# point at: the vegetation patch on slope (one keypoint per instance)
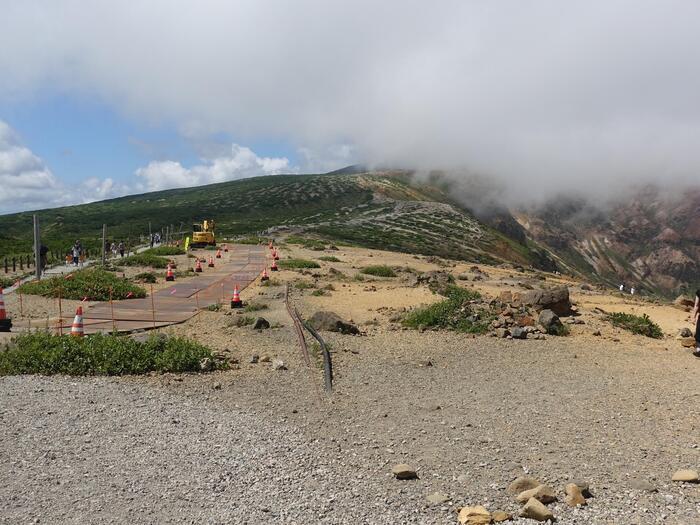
(92, 283)
(459, 311)
(637, 324)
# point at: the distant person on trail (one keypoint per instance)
(696, 322)
(152, 240)
(75, 251)
(121, 248)
(43, 257)
(622, 287)
(632, 291)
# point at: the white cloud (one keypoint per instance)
(546, 94)
(28, 184)
(240, 163)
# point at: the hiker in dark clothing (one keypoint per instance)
(696, 322)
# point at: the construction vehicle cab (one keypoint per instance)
(203, 234)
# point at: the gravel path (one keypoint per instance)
(254, 445)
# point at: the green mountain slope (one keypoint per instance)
(380, 210)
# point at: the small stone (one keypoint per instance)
(542, 493)
(462, 478)
(518, 333)
(686, 476)
(265, 359)
(522, 483)
(688, 342)
(596, 333)
(404, 471)
(498, 516)
(642, 485)
(261, 324)
(535, 510)
(217, 386)
(502, 333)
(474, 516)
(574, 497)
(437, 498)
(584, 487)
(278, 364)
(206, 365)
(685, 332)
(254, 358)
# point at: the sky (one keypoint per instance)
(105, 98)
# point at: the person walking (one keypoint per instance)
(121, 248)
(75, 251)
(622, 287)
(696, 322)
(632, 290)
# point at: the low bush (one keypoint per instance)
(93, 283)
(254, 307)
(47, 354)
(304, 285)
(454, 313)
(271, 282)
(329, 258)
(559, 329)
(165, 250)
(143, 259)
(292, 264)
(321, 292)
(6, 282)
(243, 320)
(641, 325)
(380, 270)
(146, 277)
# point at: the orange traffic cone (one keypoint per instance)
(236, 300)
(218, 253)
(270, 245)
(273, 268)
(265, 277)
(211, 262)
(225, 248)
(5, 322)
(76, 328)
(198, 266)
(275, 255)
(169, 275)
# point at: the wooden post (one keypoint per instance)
(14, 265)
(60, 313)
(37, 248)
(111, 307)
(153, 308)
(104, 240)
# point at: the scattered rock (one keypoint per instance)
(206, 365)
(550, 321)
(332, 322)
(518, 333)
(584, 487)
(642, 485)
(404, 471)
(574, 496)
(596, 333)
(686, 476)
(535, 510)
(502, 333)
(265, 359)
(683, 301)
(688, 342)
(216, 386)
(541, 493)
(254, 358)
(278, 364)
(437, 498)
(521, 484)
(685, 332)
(498, 516)
(474, 516)
(261, 324)
(585, 287)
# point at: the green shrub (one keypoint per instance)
(558, 329)
(304, 285)
(453, 313)
(641, 325)
(6, 282)
(146, 277)
(290, 264)
(329, 258)
(243, 320)
(380, 270)
(321, 292)
(165, 250)
(271, 282)
(93, 283)
(48, 354)
(143, 259)
(213, 307)
(254, 307)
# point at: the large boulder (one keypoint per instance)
(554, 299)
(332, 322)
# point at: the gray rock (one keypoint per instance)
(518, 333)
(404, 471)
(261, 324)
(332, 322)
(521, 484)
(549, 321)
(278, 364)
(254, 358)
(685, 332)
(502, 333)
(555, 299)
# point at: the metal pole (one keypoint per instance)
(104, 239)
(37, 248)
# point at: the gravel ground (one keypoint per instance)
(254, 445)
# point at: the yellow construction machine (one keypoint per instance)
(203, 234)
